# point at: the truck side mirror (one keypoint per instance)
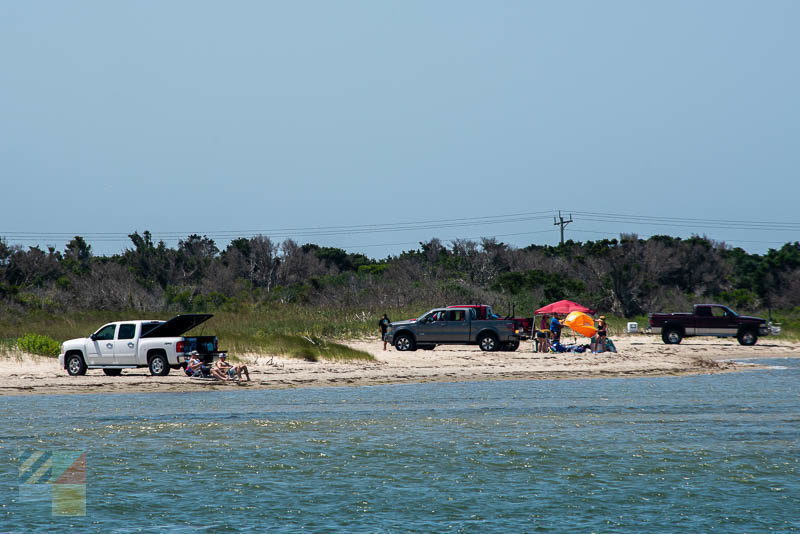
(93, 337)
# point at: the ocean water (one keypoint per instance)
(676, 454)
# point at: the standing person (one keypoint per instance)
(383, 324)
(541, 339)
(542, 334)
(555, 329)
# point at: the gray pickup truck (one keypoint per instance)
(453, 326)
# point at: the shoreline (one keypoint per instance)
(638, 356)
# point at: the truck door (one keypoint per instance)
(701, 323)
(456, 327)
(125, 344)
(723, 322)
(100, 349)
(431, 328)
(711, 323)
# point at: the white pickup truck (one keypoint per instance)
(158, 345)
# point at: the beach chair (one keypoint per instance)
(204, 371)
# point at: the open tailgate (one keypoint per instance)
(178, 325)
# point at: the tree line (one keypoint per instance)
(628, 276)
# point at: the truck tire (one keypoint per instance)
(405, 342)
(159, 366)
(488, 342)
(671, 336)
(112, 372)
(747, 337)
(75, 365)
(510, 346)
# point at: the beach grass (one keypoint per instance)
(8, 346)
(789, 321)
(310, 333)
(307, 348)
(229, 323)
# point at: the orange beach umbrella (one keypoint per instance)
(581, 323)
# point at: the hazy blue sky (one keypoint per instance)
(235, 118)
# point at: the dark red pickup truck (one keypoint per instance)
(708, 320)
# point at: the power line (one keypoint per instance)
(451, 239)
(312, 230)
(686, 222)
(678, 222)
(661, 218)
(630, 222)
(646, 236)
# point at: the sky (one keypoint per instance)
(372, 126)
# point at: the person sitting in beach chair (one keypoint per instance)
(195, 368)
(599, 340)
(225, 371)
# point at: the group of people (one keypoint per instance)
(549, 334)
(221, 369)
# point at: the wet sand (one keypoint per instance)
(638, 355)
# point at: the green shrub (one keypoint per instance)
(39, 344)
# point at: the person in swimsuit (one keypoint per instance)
(602, 334)
(225, 371)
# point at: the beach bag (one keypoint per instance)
(610, 346)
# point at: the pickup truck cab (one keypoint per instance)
(708, 320)
(157, 345)
(453, 326)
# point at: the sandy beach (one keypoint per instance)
(638, 355)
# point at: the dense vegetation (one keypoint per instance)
(261, 288)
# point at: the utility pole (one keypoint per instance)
(562, 222)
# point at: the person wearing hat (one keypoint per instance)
(194, 366)
(225, 371)
(602, 334)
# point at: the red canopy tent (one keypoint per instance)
(563, 306)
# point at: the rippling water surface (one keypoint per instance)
(691, 454)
